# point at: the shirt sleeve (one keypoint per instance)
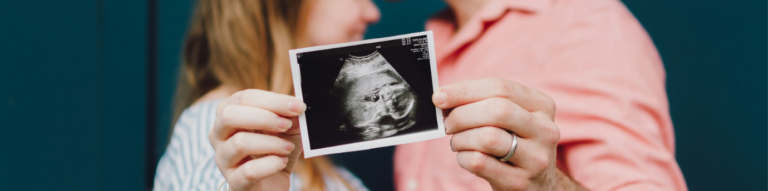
(332, 184)
(188, 162)
(353, 181)
(612, 110)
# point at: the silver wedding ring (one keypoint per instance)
(511, 150)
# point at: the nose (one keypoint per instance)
(371, 13)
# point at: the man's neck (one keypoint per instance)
(463, 10)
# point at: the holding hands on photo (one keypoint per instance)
(481, 114)
(257, 139)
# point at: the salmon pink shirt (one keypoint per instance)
(594, 59)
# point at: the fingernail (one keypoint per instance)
(284, 123)
(451, 144)
(439, 98)
(288, 146)
(296, 107)
(285, 160)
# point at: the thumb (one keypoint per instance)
(294, 136)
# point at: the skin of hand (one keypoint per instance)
(481, 113)
(257, 139)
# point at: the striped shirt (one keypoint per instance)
(188, 162)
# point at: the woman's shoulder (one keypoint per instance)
(205, 106)
(200, 110)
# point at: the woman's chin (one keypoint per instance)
(358, 37)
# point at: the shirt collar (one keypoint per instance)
(476, 25)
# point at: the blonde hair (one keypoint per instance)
(244, 44)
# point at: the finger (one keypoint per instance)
(496, 112)
(490, 169)
(256, 169)
(281, 104)
(244, 144)
(498, 143)
(488, 140)
(531, 156)
(297, 150)
(237, 117)
(470, 91)
(295, 129)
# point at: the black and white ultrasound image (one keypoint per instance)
(367, 92)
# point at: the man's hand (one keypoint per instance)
(482, 113)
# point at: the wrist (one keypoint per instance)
(565, 183)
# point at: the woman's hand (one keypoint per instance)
(256, 139)
(481, 115)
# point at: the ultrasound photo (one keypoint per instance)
(375, 100)
(367, 94)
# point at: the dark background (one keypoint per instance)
(319, 70)
(86, 89)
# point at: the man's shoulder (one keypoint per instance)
(593, 11)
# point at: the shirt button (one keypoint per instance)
(412, 184)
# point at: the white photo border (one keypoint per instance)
(370, 144)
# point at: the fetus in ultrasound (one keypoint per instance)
(374, 100)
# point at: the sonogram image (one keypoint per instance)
(368, 93)
(374, 99)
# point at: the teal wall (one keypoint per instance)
(86, 89)
(73, 95)
(714, 53)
